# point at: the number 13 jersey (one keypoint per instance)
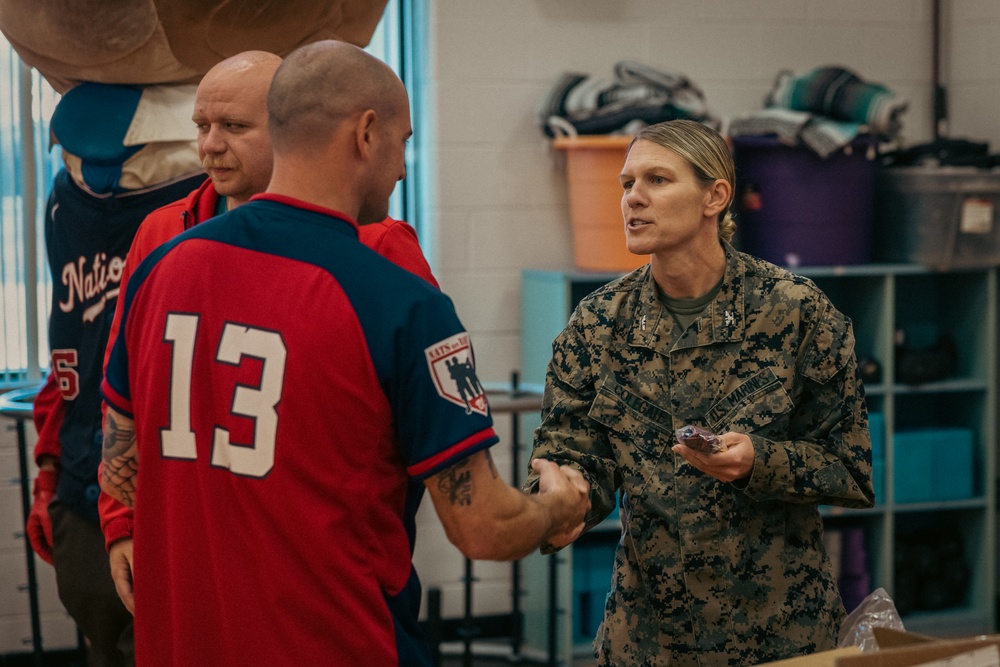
(291, 391)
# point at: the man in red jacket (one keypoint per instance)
(231, 116)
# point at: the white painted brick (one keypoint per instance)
(575, 11)
(869, 12)
(705, 50)
(803, 48)
(452, 234)
(893, 52)
(497, 354)
(588, 47)
(974, 54)
(759, 11)
(473, 52)
(535, 238)
(486, 301)
(974, 11)
(489, 176)
(727, 99)
(966, 119)
(491, 114)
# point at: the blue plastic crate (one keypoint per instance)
(933, 465)
(878, 480)
(593, 562)
(953, 468)
(876, 426)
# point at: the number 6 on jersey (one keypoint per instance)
(258, 403)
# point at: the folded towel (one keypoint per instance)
(637, 95)
(784, 123)
(839, 94)
(825, 110)
(825, 137)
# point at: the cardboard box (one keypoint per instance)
(821, 659)
(902, 649)
(890, 638)
(896, 649)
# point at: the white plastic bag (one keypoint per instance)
(875, 611)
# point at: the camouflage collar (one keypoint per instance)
(727, 310)
(722, 321)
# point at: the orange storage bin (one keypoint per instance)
(593, 163)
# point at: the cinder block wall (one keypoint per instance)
(972, 72)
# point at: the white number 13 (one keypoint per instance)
(257, 403)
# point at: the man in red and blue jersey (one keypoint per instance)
(230, 114)
(290, 406)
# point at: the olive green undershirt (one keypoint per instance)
(686, 311)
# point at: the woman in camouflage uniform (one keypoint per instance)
(721, 560)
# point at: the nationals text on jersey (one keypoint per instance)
(84, 284)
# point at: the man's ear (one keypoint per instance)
(364, 132)
(717, 196)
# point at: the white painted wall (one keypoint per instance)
(499, 201)
(972, 69)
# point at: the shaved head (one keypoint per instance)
(324, 83)
(230, 112)
(246, 64)
(339, 120)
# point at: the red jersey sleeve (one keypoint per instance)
(147, 238)
(130, 261)
(397, 241)
(47, 414)
(116, 518)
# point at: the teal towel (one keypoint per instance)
(824, 110)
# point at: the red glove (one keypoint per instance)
(39, 523)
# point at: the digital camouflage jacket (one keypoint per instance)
(711, 573)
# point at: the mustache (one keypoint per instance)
(214, 163)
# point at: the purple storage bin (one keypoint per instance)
(795, 208)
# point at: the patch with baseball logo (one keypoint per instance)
(453, 369)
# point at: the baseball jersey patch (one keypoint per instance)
(453, 368)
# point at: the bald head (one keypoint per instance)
(230, 112)
(247, 65)
(339, 121)
(323, 83)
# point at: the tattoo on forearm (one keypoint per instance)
(456, 483)
(118, 436)
(120, 459)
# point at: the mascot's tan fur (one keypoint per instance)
(169, 41)
(165, 46)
